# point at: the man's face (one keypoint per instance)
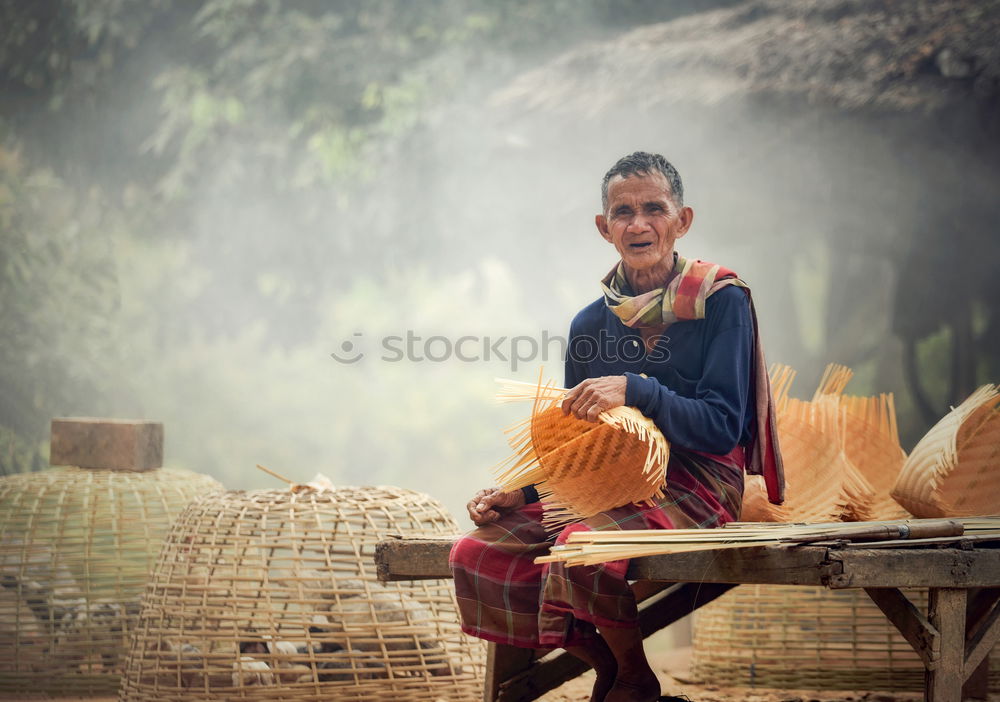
(642, 220)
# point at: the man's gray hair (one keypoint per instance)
(643, 163)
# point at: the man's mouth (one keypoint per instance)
(640, 245)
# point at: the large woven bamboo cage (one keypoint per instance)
(581, 468)
(76, 548)
(952, 471)
(791, 637)
(273, 594)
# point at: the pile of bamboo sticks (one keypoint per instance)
(590, 547)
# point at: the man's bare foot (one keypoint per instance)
(605, 681)
(638, 689)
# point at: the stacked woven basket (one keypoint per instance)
(77, 545)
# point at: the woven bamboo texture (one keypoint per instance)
(273, 595)
(783, 636)
(582, 468)
(841, 455)
(871, 440)
(76, 548)
(952, 471)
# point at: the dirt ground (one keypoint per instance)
(672, 666)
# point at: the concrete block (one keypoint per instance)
(116, 444)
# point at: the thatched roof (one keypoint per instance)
(882, 54)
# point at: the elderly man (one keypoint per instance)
(677, 339)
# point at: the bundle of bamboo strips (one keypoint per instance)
(581, 468)
(590, 547)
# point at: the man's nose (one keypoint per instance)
(638, 223)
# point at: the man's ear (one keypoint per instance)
(602, 226)
(686, 216)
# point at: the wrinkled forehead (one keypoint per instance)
(638, 188)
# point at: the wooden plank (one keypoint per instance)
(910, 622)
(659, 610)
(959, 541)
(977, 685)
(406, 559)
(934, 568)
(982, 639)
(946, 612)
(979, 603)
(502, 663)
(775, 565)
(411, 559)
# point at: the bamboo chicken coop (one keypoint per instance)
(791, 637)
(801, 637)
(272, 594)
(77, 544)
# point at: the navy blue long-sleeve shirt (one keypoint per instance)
(697, 389)
(698, 386)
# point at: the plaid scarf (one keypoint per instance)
(683, 298)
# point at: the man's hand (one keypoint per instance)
(595, 395)
(486, 505)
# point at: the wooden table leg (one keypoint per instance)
(978, 606)
(946, 613)
(502, 663)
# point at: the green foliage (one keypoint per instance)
(146, 149)
(58, 287)
(199, 201)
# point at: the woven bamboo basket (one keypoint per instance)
(791, 637)
(76, 548)
(582, 468)
(273, 595)
(952, 471)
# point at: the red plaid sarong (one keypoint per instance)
(504, 597)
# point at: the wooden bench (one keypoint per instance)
(953, 638)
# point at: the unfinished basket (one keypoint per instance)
(871, 440)
(272, 594)
(76, 548)
(791, 637)
(824, 444)
(952, 471)
(582, 468)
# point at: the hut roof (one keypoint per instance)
(913, 55)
